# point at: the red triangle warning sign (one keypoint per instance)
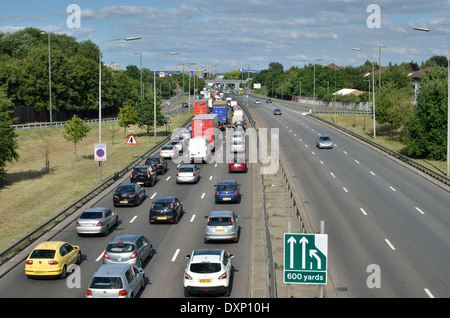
(131, 140)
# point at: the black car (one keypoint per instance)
(166, 210)
(145, 175)
(158, 162)
(129, 194)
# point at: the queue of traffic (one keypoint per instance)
(208, 271)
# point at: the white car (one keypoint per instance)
(169, 151)
(237, 146)
(208, 271)
(237, 136)
(257, 101)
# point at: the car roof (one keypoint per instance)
(187, 166)
(227, 182)
(111, 269)
(220, 214)
(96, 209)
(203, 255)
(49, 245)
(125, 238)
(164, 199)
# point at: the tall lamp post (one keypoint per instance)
(448, 92)
(49, 79)
(154, 91)
(100, 92)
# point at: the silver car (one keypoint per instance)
(116, 281)
(188, 174)
(222, 225)
(324, 141)
(96, 221)
(128, 249)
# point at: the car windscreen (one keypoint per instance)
(106, 283)
(120, 247)
(91, 215)
(219, 221)
(226, 187)
(43, 254)
(205, 268)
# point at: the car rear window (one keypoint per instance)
(238, 160)
(126, 188)
(185, 169)
(162, 205)
(219, 221)
(120, 247)
(205, 268)
(226, 187)
(152, 160)
(43, 254)
(106, 283)
(140, 170)
(91, 215)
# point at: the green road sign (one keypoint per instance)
(305, 258)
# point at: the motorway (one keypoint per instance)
(171, 242)
(388, 227)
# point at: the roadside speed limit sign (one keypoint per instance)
(100, 152)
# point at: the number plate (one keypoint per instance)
(161, 218)
(220, 230)
(124, 201)
(225, 199)
(205, 280)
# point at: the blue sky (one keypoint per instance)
(252, 33)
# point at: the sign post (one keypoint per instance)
(305, 258)
(100, 152)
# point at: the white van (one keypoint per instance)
(199, 150)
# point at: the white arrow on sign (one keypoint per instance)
(291, 241)
(314, 253)
(303, 241)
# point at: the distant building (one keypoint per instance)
(348, 91)
(113, 66)
(416, 78)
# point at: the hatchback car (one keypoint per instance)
(178, 144)
(188, 174)
(268, 100)
(158, 162)
(144, 175)
(227, 191)
(277, 111)
(52, 259)
(208, 272)
(258, 101)
(221, 225)
(169, 151)
(116, 281)
(129, 194)
(324, 141)
(128, 249)
(238, 164)
(166, 210)
(96, 221)
(237, 146)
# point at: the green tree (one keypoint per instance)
(128, 116)
(426, 129)
(8, 143)
(75, 130)
(145, 113)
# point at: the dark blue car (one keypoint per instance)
(227, 191)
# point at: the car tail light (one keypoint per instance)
(123, 292)
(236, 192)
(52, 262)
(171, 205)
(132, 174)
(187, 276)
(223, 276)
(132, 196)
(177, 174)
(78, 223)
(148, 173)
(29, 262)
(88, 292)
(193, 174)
(99, 223)
(105, 255)
(207, 222)
(159, 164)
(217, 193)
(133, 256)
(232, 221)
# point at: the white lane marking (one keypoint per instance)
(210, 178)
(372, 173)
(356, 161)
(321, 161)
(419, 210)
(429, 293)
(100, 257)
(175, 255)
(344, 151)
(203, 195)
(192, 218)
(168, 178)
(390, 244)
(392, 188)
(345, 189)
(362, 210)
(153, 195)
(332, 174)
(132, 220)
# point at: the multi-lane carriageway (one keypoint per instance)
(388, 227)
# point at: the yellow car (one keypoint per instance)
(52, 258)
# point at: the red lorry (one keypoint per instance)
(200, 107)
(206, 126)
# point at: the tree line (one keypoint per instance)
(24, 81)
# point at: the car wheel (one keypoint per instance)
(64, 272)
(78, 258)
(186, 294)
(106, 231)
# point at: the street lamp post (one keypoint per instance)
(100, 92)
(154, 91)
(448, 92)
